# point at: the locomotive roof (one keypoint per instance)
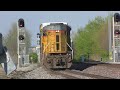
(45, 24)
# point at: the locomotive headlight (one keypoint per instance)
(57, 31)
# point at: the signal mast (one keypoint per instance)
(21, 41)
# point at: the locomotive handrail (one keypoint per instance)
(46, 47)
(71, 49)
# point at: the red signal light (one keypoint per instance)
(117, 32)
(21, 22)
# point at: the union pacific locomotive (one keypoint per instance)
(55, 45)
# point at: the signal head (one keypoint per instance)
(21, 22)
(21, 37)
(117, 32)
(116, 17)
(38, 33)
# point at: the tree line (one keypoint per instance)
(91, 41)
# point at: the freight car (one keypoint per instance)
(55, 45)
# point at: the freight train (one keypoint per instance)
(55, 45)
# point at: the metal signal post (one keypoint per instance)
(21, 41)
(1, 45)
(116, 37)
(113, 41)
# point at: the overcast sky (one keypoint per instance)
(33, 19)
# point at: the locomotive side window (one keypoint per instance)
(57, 46)
(57, 38)
(57, 42)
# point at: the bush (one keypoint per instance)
(33, 58)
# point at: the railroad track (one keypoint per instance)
(75, 74)
(68, 74)
(110, 65)
(57, 72)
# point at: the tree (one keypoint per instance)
(10, 41)
(33, 57)
(92, 40)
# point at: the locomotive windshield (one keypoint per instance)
(55, 27)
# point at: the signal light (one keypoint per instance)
(117, 32)
(38, 35)
(116, 17)
(21, 37)
(21, 22)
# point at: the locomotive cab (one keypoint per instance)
(56, 44)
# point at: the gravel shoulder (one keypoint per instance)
(33, 72)
(107, 70)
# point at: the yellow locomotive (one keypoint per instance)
(55, 45)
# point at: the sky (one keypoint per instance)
(33, 19)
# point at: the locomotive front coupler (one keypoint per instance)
(48, 61)
(60, 62)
